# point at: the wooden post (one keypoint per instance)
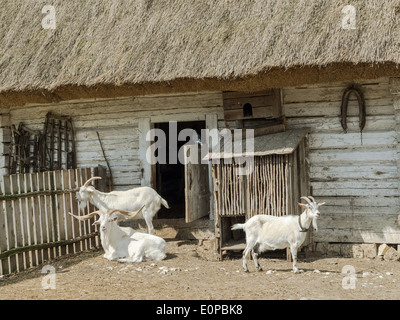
(144, 126)
(42, 214)
(10, 230)
(211, 123)
(4, 266)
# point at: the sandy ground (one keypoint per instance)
(191, 271)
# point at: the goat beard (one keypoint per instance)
(82, 205)
(314, 224)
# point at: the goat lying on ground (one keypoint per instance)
(129, 200)
(123, 243)
(266, 232)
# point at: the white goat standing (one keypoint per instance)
(266, 232)
(129, 200)
(124, 243)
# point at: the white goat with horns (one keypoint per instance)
(266, 232)
(124, 243)
(129, 200)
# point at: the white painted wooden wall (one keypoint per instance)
(117, 121)
(358, 181)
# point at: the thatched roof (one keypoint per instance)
(141, 45)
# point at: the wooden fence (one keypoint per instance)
(34, 224)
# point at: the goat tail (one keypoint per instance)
(164, 203)
(238, 226)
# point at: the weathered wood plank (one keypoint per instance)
(10, 230)
(317, 192)
(4, 265)
(16, 217)
(332, 93)
(359, 184)
(79, 224)
(50, 209)
(354, 172)
(349, 235)
(150, 102)
(381, 106)
(66, 208)
(331, 140)
(24, 219)
(111, 118)
(71, 198)
(82, 225)
(325, 124)
(359, 227)
(366, 201)
(26, 208)
(35, 218)
(356, 156)
(42, 215)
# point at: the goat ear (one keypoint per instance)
(303, 205)
(90, 189)
(321, 203)
(95, 223)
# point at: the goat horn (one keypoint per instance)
(87, 216)
(127, 213)
(90, 180)
(308, 200)
(312, 198)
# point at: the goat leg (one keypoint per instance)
(254, 254)
(249, 248)
(293, 250)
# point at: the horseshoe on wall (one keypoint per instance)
(361, 105)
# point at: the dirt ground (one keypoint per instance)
(191, 271)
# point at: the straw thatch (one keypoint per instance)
(141, 45)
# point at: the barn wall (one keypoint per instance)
(356, 176)
(117, 121)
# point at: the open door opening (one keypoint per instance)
(170, 177)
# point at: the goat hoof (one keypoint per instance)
(260, 269)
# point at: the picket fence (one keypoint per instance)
(34, 224)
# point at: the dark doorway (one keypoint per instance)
(170, 177)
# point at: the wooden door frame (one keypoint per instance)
(145, 124)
